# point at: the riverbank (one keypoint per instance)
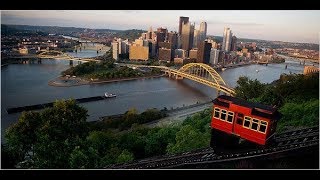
(173, 115)
(68, 82)
(294, 58)
(230, 66)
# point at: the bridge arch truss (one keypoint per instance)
(203, 74)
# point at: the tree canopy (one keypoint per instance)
(296, 96)
(46, 138)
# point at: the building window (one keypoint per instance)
(230, 117)
(217, 113)
(255, 124)
(247, 121)
(263, 126)
(223, 114)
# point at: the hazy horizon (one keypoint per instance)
(275, 25)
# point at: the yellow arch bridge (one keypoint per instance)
(199, 72)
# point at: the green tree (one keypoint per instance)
(248, 89)
(22, 136)
(78, 159)
(101, 141)
(134, 141)
(188, 138)
(49, 136)
(299, 114)
(110, 157)
(158, 139)
(125, 156)
(200, 120)
(9, 158)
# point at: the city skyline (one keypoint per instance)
(276, 25)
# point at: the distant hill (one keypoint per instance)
(273, 44)
(56, 29)
(7, 30)
(131, 34)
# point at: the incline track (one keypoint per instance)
(282, 143)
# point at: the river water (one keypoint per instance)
(27, 84)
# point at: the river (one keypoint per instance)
(27, 84)
(88, 49)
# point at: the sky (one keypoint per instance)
(279, 25)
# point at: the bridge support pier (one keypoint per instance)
(70, 62)
(178, 77)
(169, 73)
(31, 61)
(39, 61)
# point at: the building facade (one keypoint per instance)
(227, 36)
(180, 53)
(138, 52)
(204, 49)
(196, 38)
(165, 44)
(173, 39)
(187, 36)
(203, 31)
(182, 20)
(115, 50)
(214, 56)
(165, 54)
(234, 43)
(193, 53)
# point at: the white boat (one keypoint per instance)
(257, 70)
(108, 95)
(223, 69)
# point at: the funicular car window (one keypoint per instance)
(216, 112)
(223, 114)
(263, 126)
(230, 116)
(255, 123)
(247, 121)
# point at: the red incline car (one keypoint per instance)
(242, 119)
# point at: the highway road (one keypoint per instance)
(177, 116)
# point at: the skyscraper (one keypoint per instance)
(203, 31)
(187, 36)
(182, 20)
(227, 36)
(204, 49)
(115, 50)
(165, 54)
(173, 39)
(234, 43)
(161, 34)
(196, 38)
(214, 56)
(149, 33)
